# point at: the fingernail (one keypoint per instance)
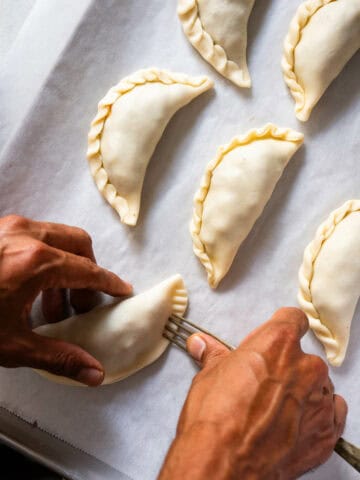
(90, 376)
(196, 347)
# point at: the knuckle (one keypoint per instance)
(317, 365)
(292, 313)
(92, 267)
(64, 363)
(328, 446)
(83, 235)
(35, 252)
(15, 222)
(285, 333)
(341, 408)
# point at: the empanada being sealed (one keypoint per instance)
(234, 191)
(330, 279)
(218, 31)
(124, 337)
(130, 121)
(323, 36)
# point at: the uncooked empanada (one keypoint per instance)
(234, 191)
(124, 337)
(218, 31)
(130, 121)
(330, 279)
(323, 36)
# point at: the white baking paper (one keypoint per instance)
(44, 175)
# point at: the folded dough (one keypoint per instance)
(330, 279)
(323, 36)
(130, 121)
(124, 337)
(218, 31)
(234, 191)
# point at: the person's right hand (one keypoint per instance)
(48, 257)
(265, 411)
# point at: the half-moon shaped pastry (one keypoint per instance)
(218, 31)
(330, 279)
(130, 121)
(234, 191)
(124, 337)
(323, 36)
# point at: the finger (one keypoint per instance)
(328, 388)
(290, 318)
(84, 300)
(66, 270)
(285, 328)
(54, 307)
(206, 350)
(64, 237)
(62, 358)
(341, 410)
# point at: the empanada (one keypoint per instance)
(218, 31)
(330, 279)
(124, 337)
(130, 121)
(323, 36)
(234, 191)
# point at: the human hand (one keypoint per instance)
(266, 410)
(48, 257)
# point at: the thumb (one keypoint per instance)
(206, 350)
(62, 358)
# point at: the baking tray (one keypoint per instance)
(61, 457)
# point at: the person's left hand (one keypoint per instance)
(49, 258)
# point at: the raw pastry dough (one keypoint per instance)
(218, 31)
(330, 279)
(124, 337)
(130, 121)
(234, 191)
(323, 36)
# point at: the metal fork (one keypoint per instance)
(178, 329)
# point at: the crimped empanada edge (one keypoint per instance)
(306, 274)
(304, 13)
(180, 296)
(213, 53)
(285, 134)
(97, 168)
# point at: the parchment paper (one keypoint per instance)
(44, 174)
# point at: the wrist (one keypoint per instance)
(208, 451)
(199, 453)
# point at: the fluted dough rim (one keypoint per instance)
(126, 85)
(306, 274)
(302, 17)
(269, 130)
(188, 13)
(179, 302)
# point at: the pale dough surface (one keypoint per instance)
(238, 185)
(324, 44)
(130, 122)
(334, 286)
(125, 337)
(218, 30)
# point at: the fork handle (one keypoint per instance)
(348, 452)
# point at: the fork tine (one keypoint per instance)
(179, 323)
(196, 328)
(175, 341)
(182, 329)
(175, 332)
